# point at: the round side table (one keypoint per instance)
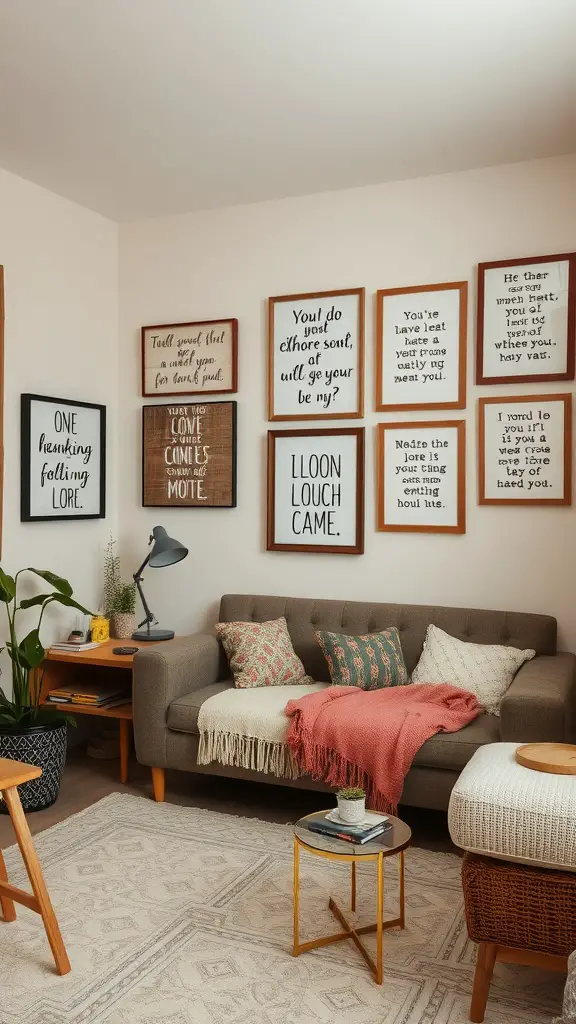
(392, 842)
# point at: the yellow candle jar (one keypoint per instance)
(99, 628)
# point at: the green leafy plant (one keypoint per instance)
(119, 597)
(125, 599)
(351, 793)
(22, 711)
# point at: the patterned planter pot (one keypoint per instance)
(44, 746)
(123, 625)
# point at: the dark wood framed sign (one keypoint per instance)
(63, 459)
(197, 358)
(189, 455)
(316, 355)
(526, 320)
(525, 450)
(421, 477)
(316, 490)
(421, 347)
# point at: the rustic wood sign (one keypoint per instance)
(421, 347)
(189, 455)
(525, 449)
(190, 359)
(526, 319)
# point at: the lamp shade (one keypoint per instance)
(165, 550)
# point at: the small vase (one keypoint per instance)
(123, 625)
(352, 811)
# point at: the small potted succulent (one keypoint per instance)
(119, 597)
(351, 805)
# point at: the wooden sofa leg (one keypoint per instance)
(159, 783)
(485, 961)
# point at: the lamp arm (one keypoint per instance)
(150, 617)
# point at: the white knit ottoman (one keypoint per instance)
(500, 809)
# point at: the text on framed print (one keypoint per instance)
(189, 455)
(316, 490)
(190, 359)
(421, 477)
(421, 347)
(63, 459)
(316, 355)
(526, 319)
(525, 450)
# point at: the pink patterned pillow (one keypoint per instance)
(261, 654)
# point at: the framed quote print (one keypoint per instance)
(525, 450)
(189, 455)
(316, 490)
(421, 477)
(63, 459)
(197, 358)
(316, 355)
(421, 347)
(526, 319)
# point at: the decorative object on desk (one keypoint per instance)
(119, 597)
(189, 455)
(27, 732)
(351, 805)
(63, 459)
(99, 629)
(165, 551)
(76, 637)
(194, 358)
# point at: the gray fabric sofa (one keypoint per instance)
(171, 681)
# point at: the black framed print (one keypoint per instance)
(62, 459)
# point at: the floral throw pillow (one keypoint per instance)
(261, 654)
(370, 662)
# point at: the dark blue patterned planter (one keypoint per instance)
(45, 747)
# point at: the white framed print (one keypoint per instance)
(525, 450)
(421, 347)
(316, 490)
(63, 459)
(316, 355)
(526, 320)
(421, 477)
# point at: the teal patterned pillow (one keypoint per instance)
(370, 662)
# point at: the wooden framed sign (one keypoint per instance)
(525, 450)
(189, 455)
(421, 347)
(421, 477)
(316, 490)
(198, 358)
(526, 319)
(316, 355)
(63, 459)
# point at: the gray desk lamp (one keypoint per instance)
(165, 551)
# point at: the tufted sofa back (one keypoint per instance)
(304, 616)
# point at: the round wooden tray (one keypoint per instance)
(556, 758)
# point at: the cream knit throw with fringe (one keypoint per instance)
(248, 728)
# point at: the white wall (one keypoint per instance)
(224, 263)
(61, 336)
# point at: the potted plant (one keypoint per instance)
(119, 597)
(351, 805)
(29, 732)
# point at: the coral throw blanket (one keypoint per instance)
(351, 737)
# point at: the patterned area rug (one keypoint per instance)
(174, 915)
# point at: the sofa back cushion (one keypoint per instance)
(305, 615)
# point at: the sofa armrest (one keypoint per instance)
(540, 703)
(161, 673)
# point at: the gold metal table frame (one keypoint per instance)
(349, 930)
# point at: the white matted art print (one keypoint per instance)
(421, 347)
(525, 450)
(316, 355)
(421, 477)
(316, 490)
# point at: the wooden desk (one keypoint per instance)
(63, 667)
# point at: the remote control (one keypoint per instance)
(125, 650)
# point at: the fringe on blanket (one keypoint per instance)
(248, 752)
(325, 765)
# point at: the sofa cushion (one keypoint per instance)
(370, 662)
(453, 750)
(183, 712)
(261, 654)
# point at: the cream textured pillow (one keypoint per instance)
(486, 670)
(261, 653)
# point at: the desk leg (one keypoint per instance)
(353, 886)
(296, 943)
(125, 744)
(402, 892)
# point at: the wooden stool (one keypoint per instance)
(13, 774)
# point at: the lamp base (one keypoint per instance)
(153, 634)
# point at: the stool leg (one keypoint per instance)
(24, 840)
(353, 886)
(6, 904)
(485, 961)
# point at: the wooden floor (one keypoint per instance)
(87, 780)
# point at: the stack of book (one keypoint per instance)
(67, 646)
(97, 695)
(330, 824)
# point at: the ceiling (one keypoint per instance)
(138, 108)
